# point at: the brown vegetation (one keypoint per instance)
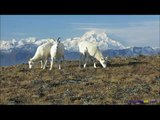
(124, 79)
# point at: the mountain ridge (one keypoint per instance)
(14, 52)
(101, 39)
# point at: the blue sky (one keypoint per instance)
(137, 30)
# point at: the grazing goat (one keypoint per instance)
(91, 50)
(42, 54)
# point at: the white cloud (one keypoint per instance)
(93, 28)
(83, 23)
(19, 34)
(144, 23)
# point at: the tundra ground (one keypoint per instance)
(124, 79)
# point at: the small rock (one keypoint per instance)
(35, 96)
(157, 78)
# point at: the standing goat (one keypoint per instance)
(57, 53)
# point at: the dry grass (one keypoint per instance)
(125, 79)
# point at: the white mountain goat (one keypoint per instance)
(42, 54)
(57, 53)
(90, 50)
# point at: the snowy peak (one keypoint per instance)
(102, 40)
(94, 36)
(71, 44)
(31, 41)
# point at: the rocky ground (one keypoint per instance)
(133, 80)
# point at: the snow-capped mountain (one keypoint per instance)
(31, 42)
(102, 40)
(16, 52)
(71, 44)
